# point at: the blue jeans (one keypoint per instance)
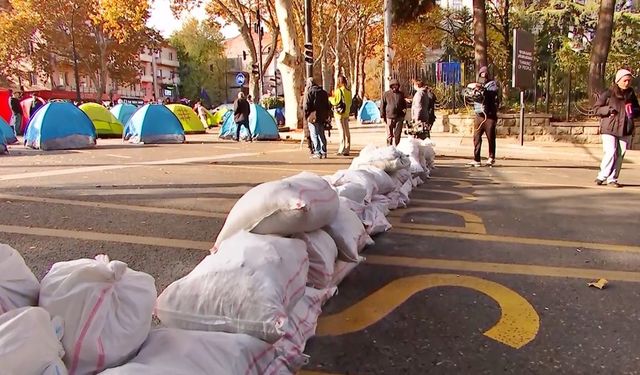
(316, 131)
(239, 126)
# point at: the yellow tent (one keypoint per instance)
(218, 116)
(188, 118)
(106, 124)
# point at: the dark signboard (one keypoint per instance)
(523, 59)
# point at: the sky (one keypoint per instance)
(163, 20)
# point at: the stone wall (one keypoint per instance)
(537, 127)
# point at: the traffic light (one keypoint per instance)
(244, 55)
(308, 53)
(255, 70)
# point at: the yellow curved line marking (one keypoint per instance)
(518, 324)
(472, 223)
(458, 182)
(464, 197)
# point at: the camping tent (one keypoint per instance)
(218, 115)
(263, 126)
(123, 112)
(5, 111)
(369, 112)
(6, 133)
(60, 126)
(106, 124)
(278, 115)
(188, 118)
(25, 104)
(154, 123)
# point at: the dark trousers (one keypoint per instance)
(481, 126)
(239, 126)
(394, 131)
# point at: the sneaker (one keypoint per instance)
(599, 181)
(614, 184)
(323, 156)
(474, 164)
(316, 156)
(491, 161)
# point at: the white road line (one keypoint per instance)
(119, 156)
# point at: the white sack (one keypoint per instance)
(357, 208)
(249, 286)
(106, 307)
(417, 181)
(353, 191)
(30, 343)
(18, 286)
(300, 328)
(413, 148)
(375, 220)
(322, 253)
(356, 176)
(404, 191)
(429, 153)
(386, 158)
(384, 182)
(401, 176)
(349, 234)
(394, 199)
(297, 204)
(170, 351)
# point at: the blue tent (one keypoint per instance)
(278, 115)
(123, 112)
(262, 124)
(369, 112)
(60, 126)
(154, 123)
(6, 133)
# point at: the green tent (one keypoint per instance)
(106, 124)
(188, 118)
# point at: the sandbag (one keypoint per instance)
(322, 253)
(300, 328)
(18, 285)
(374, 216)
(353, 191)
(357, 176)
(401, 176)
(429, 153)
(386, 158)
(298, 204)
(413, 148)
(249, 286)
(349, 234)
(170, 351)
(384, 182)
(30, 343)
(394, 200)
(106, 307)
(404, 191)
(357, 208)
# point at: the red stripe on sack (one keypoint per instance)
(286, 288)
(78, 346)
(101, 355)
(257, 358)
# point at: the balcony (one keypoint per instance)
(146, 78)
(167, 62)
(144, 57)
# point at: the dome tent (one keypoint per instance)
(369, 112)
(6, 133)
(60, 126)
(188, 118)
(106, 124)
(123, 112)
(154, 123)
(262, 125)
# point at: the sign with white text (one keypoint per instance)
(523, 60)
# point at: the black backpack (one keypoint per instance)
(341, 107)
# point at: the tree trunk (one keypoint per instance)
(388, 59)
(508, 45)
(337, 62)
(600, 48)
(327, 74)
(289, 63)
(480, 33)
(363, 75)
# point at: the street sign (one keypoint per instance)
(523, 59)
(240, 79)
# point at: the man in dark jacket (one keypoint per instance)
(16, 112)
(485, 106)
(394, 107)
(241, 111)
(317, 112)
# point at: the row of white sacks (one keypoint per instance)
(248, 308)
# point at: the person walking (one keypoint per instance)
(203, 114)
(317, 111)
(423, 110)
(616, 107)
(241, 112)
(485, 106)
(341, 102)
(394, 109)
(16, 111)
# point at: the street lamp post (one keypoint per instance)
(308, 37)
(75, 54)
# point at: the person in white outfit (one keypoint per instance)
(616, 107)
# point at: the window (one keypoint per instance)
(66, 78)
(33, 79)
(170, 55)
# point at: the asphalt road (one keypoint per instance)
(486, 272)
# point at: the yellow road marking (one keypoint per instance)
(459, 183)
(521, 240)
(518, 324)
(263, 168)
(464, 197)
(503, 268)
(107, 237)
(472, 223)
(126, 207)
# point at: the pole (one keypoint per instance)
(521, 117)
(260, 33)
(388, 58)
(568, 98)
(75, 57)
(546, 90)
(308, 36)
(275, 75)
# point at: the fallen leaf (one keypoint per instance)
(600, 284)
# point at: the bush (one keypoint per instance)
(273, 102)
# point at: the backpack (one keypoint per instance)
(341, 107)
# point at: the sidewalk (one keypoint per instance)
(462, 146)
